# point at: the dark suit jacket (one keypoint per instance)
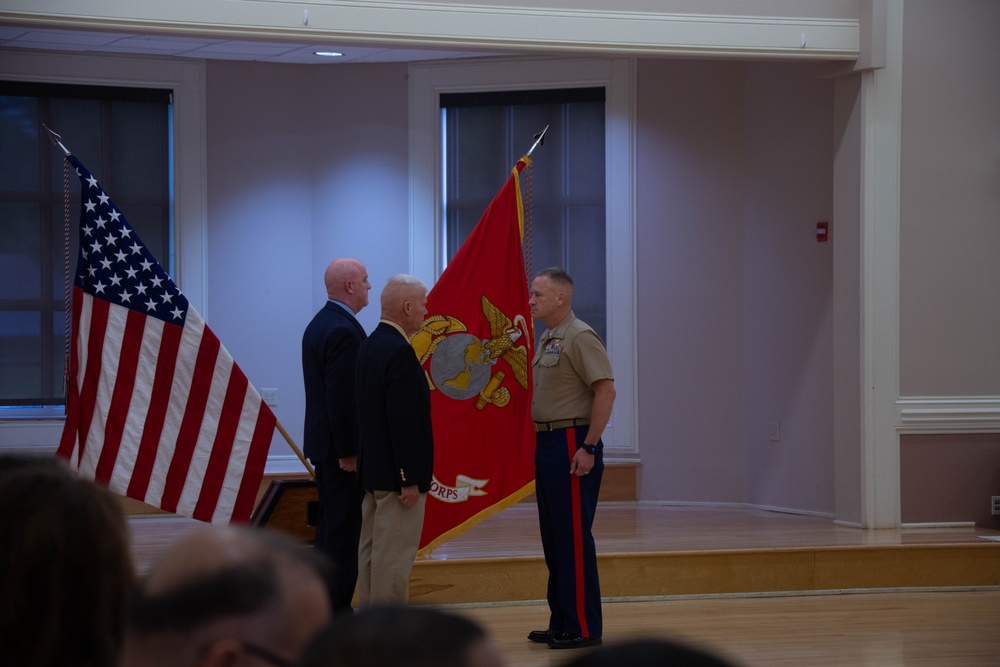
(329, 351)
(394, 410)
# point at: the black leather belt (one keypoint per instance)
(562, 423)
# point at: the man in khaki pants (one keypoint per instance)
(396, 452)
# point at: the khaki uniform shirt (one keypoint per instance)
(569, 359)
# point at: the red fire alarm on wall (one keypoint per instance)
(822, 232)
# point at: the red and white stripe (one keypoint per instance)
(162, 414)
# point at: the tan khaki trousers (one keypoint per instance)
(390, 535)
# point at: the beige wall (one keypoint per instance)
(950, 200)
(689, 271)
(305, 164)
(948, 478)
(950, 250)
(848, 416)
(788, 286)
(734, 170)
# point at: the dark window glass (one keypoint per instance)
(122, 135)
(486, 133)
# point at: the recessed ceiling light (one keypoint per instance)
(329, 54)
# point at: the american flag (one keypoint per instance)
(157, 410)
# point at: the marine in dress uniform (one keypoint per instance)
(573, 396)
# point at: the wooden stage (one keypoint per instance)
(664, 551)
(760, 588)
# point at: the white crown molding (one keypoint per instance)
(437, 24)
(943, 414)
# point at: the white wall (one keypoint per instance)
(788, 286)
(689, 276)
(305, 164)
(846, 241)
(950, 200)
(735, 294)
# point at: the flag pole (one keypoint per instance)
(295, 448)
(55, 139)
(539, 140)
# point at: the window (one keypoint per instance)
(429, 82)
(123, 136)
(486, 133)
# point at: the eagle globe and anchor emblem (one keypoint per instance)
(462, 367)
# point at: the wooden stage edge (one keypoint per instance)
(648, 550)
(714, 573)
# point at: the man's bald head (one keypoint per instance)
(404, 301)
(346, 281)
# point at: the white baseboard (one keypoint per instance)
(940, 524)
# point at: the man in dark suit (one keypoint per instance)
(329, 351)
(396, 456)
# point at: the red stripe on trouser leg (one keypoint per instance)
(581, 610)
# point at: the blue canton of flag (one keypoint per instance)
(115, 264)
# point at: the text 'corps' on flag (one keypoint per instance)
(476, 348)
(157, 410)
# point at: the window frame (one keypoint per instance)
(49, 197)
(39, 430)
(617, 75)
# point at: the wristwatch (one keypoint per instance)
(590, 449)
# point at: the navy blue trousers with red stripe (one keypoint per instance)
(566, 506)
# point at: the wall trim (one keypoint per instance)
(940, 524)
(285, 464)
(465, 25)
(948, 414)
(30, 436)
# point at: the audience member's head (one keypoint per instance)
(66, 576)
(647, 653)
(228, 595)
(402, 636)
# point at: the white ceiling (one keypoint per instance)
(214, 48)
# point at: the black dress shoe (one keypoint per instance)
(566, 640)
(541, 636)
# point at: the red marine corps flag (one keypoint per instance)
(157, 410)
(476, 348)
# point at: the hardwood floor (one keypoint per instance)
(740, 574)
(924, 629)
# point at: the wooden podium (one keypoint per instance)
(290, 506)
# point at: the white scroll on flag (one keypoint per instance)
(157, 410)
